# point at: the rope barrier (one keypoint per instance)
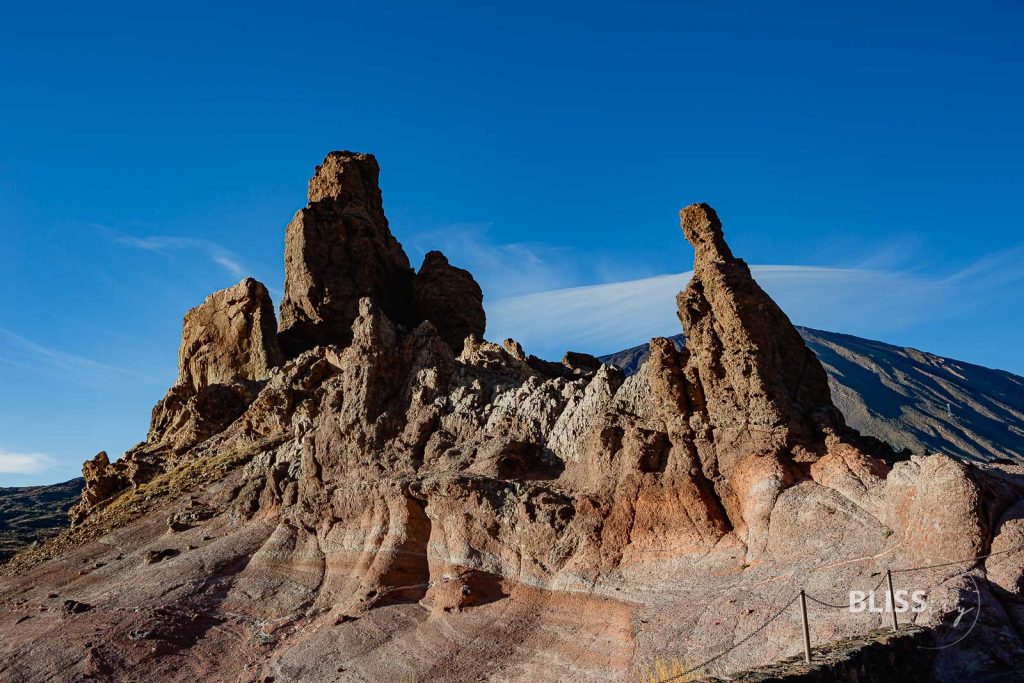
(823, 603)
(972, 560)
(735, 645)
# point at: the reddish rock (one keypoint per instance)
(387, 507)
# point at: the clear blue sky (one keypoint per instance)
(150, 155)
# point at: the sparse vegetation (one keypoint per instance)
(665, 670)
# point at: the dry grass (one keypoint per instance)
(665, 670)
(194, 472)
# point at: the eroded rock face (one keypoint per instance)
(759, 398)
(231, 337)
(228, 349)
(337, 250)
(388, 506)
(101, 483)
(451, 299)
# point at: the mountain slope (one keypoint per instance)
(909, 398)
(30, 513)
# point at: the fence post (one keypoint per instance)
(892, 600)
(807, 629)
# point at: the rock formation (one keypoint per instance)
(228, 349)
(910, 399)
(760, 399)
(231, 337)
(451, 299)
(337, 250)
(400, 499)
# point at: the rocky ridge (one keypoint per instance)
(392, 500)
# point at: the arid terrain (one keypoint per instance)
(31, 513)
(363, 488)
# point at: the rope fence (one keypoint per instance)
(801, 596)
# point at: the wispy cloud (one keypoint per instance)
(867, 302)
(25, 463)
(18, 351)
(502, 269)
(223, 257)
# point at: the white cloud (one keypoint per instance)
(872, 303)
(25, 463)
(503, 270)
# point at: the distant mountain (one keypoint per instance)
(34, 512)
(909, 398)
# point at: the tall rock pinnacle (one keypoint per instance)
(338, 250)
(759, 378)
(763, 400)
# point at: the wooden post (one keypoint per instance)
(807, 629)
(892, 600)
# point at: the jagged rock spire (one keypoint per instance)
(758, 377)
(338, 250)
(762, 398)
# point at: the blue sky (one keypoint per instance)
(871, 153)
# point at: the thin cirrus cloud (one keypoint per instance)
(511, 268)
(25, 463)
(20, 352)
(221, 256)
(533, 293)
(873, 303)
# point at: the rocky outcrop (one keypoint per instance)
(338, 250)
(101, 483)
(758, 397)
(386, 507)
(231, 337)
(228, 349)
(912, 400)
(762, 388)
(451, 299)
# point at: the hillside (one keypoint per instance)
(31, 513)
(911, 399)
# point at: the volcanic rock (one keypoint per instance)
(394, 509)
(101, 482)
(231, 337)
(451, 299)
(760, 399)
(338, 250)
(228, 348)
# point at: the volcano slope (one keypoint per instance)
(373, 492)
